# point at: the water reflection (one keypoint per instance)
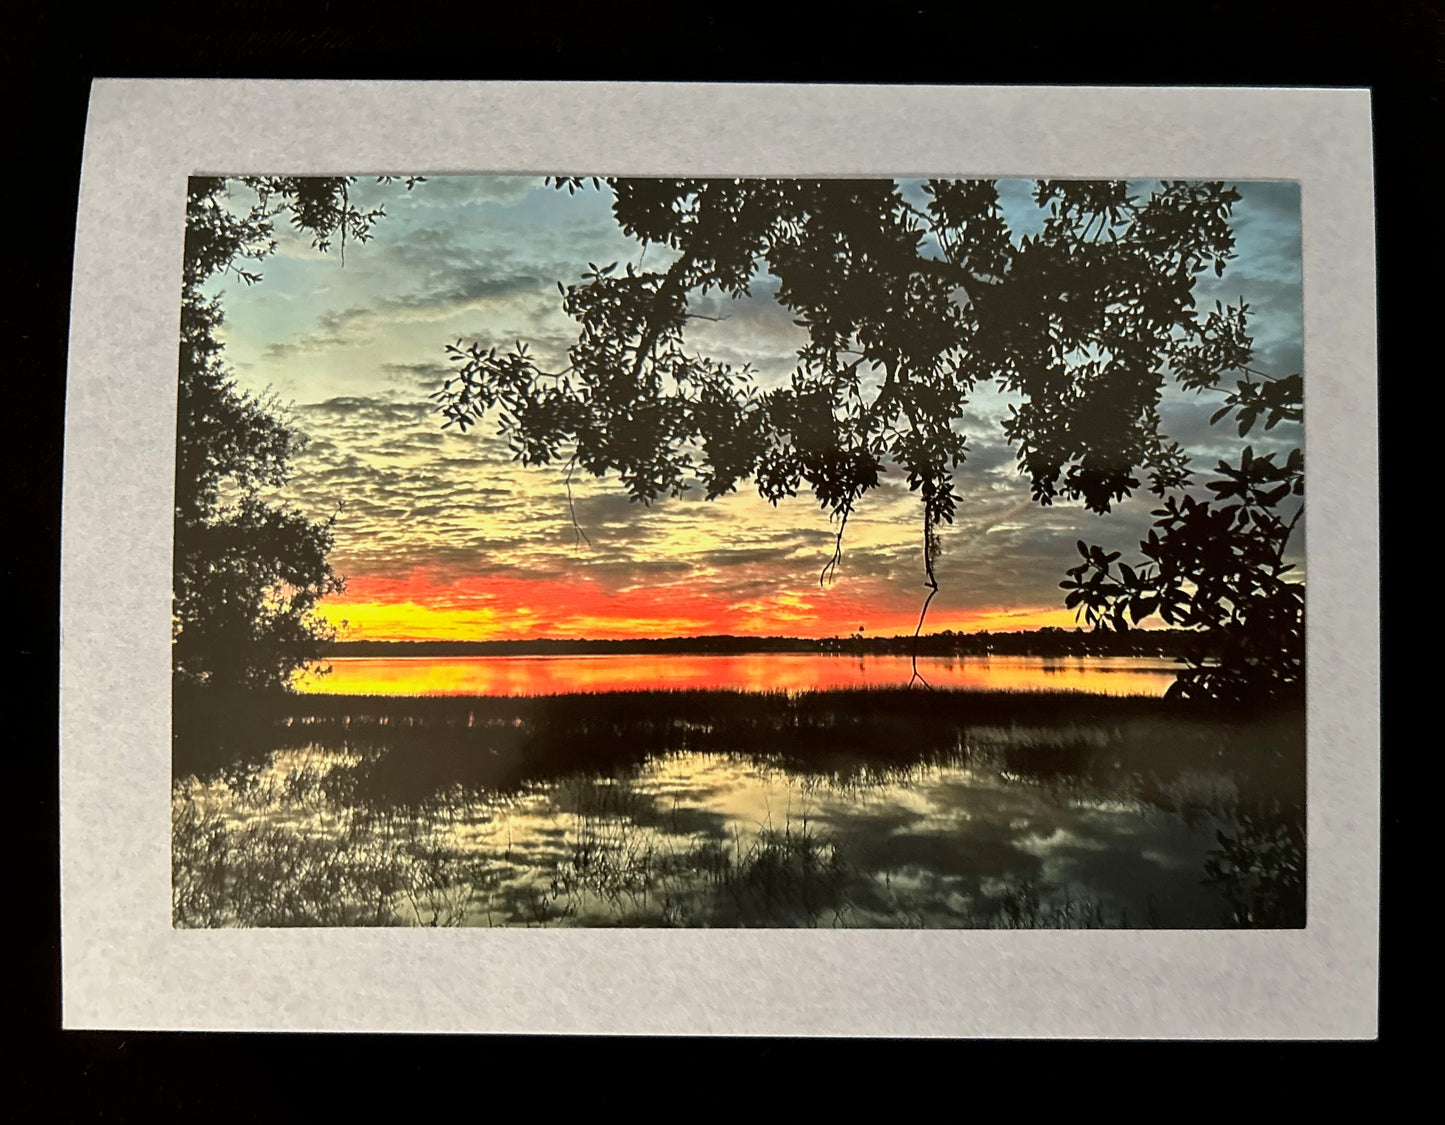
(1128, 821)
(547, 675)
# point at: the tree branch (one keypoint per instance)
(581, 536)
(932, 585)
(949, 271)
(670, 281)
(830, 568)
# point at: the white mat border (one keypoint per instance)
(124, 967)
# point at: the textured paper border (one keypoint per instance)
(124, 967)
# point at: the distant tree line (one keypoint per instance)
(1179, 643)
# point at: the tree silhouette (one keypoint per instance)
(910, 301)
(1218, 565)
(248, 570)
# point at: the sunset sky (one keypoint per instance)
(442, 535)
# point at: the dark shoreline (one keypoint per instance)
(1039, 642)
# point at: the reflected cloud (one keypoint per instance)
(569, 812)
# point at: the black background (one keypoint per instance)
(49, 57)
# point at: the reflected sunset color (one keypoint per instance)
(547, 675)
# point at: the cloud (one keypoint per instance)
(453, 527)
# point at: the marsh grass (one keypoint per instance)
(1021, 907)
(503, 742)
(790, 876)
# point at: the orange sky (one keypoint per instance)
(419, 607)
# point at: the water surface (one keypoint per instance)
(546, 675)
(879, 809)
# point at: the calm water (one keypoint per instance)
(876, 811)
(546, 675)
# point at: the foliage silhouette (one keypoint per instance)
(1218, 565)
(248, 571)
(908, 307)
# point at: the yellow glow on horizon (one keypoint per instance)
(588, 625)
(411, 620)
(788, 613)
(1013, 621)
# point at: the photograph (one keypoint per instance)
(720, 559)
(585, 550)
